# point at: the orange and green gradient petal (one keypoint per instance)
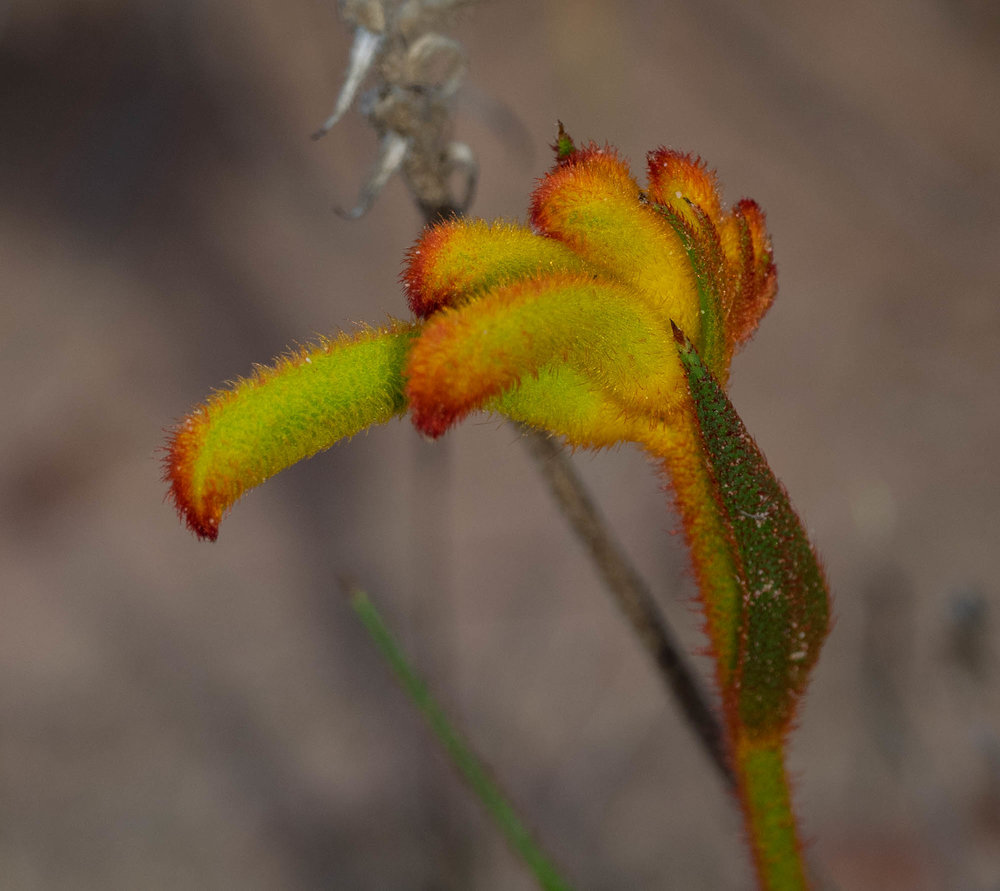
(301, 405)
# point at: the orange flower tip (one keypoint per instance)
(676, 175)
(433, 421)
(587, 169)
(754, 214)
(426, 291)
(760, 285)
(206, 528)
(203, 521)
(201, 515)
(757, 223)
(414, 277)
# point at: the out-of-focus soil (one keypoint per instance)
(179, 715)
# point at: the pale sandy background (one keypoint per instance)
(178, 715)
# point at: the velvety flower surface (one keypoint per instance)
(592, 288)
(565, 325)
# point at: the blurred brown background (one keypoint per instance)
(179, 715)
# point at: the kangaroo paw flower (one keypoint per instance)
(583, 302)
(574, 326)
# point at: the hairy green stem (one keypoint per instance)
(768, 812)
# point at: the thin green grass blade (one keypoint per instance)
(468, 764)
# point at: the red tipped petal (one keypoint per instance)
(757, 275)
(460, 260)
(592, 204)
(675, 176)
(590, 171)
(426, 290)
(203, 513)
